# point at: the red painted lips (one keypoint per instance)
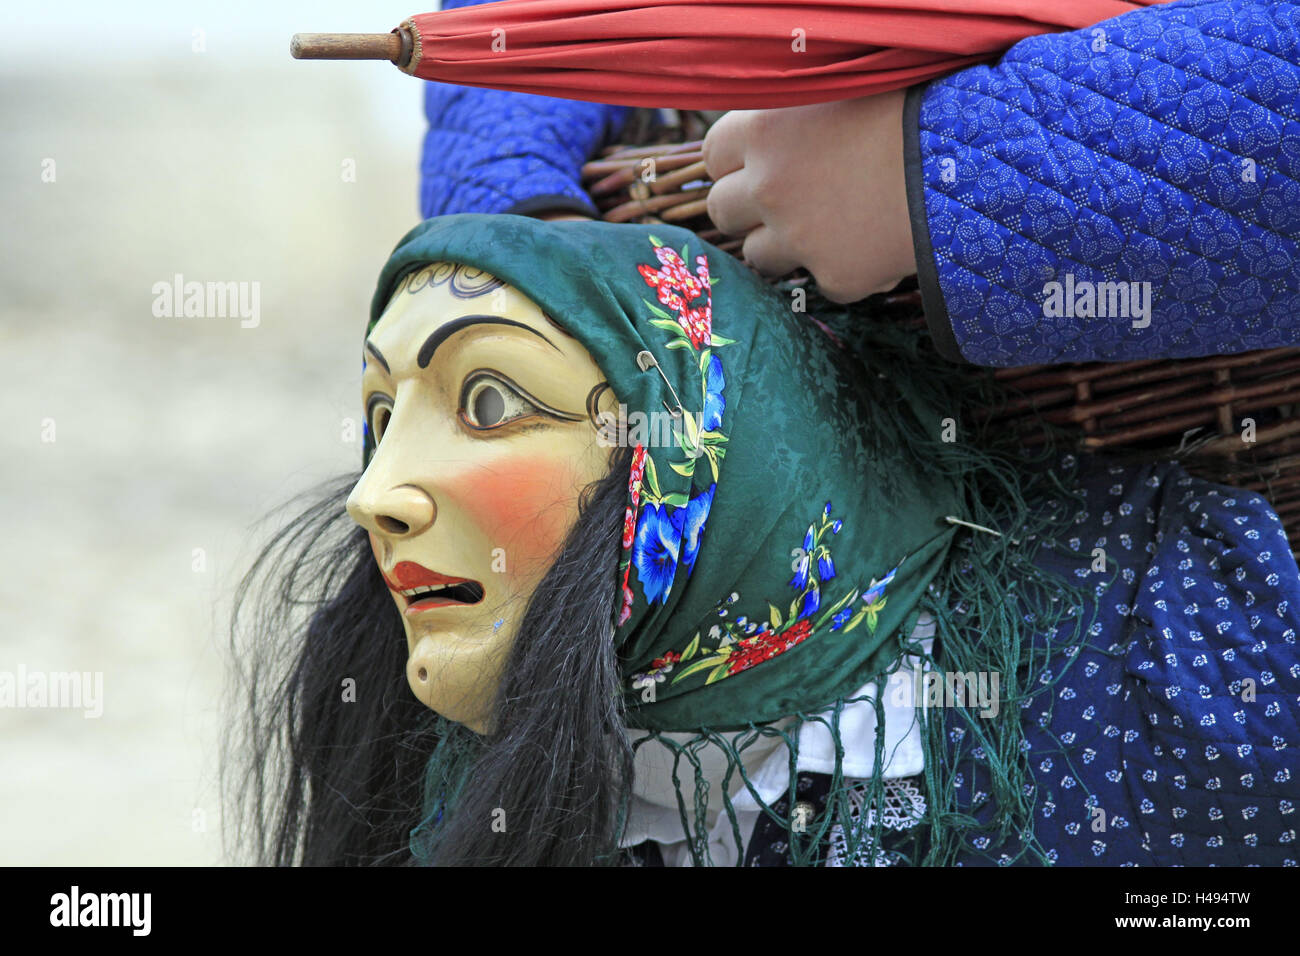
(422, 589)
(407, 574)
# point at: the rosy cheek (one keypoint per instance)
(524, 506)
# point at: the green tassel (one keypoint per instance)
(445, 778)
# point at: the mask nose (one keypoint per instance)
(399, 511)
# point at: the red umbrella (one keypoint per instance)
(755, 54)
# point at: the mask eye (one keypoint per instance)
(378, 410)
(489, 402)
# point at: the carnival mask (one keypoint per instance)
(486, 420)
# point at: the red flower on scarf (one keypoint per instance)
(629, 524)
(677, 289)
(665, 662)
(638, 470)
(634, 489)
(629, 527)
(628, 597)
(663, 284)
(767, 644)
(698, 324)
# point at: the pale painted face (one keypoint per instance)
(486, 417)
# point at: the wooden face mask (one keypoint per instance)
(486, 416)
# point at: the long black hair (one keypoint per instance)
(326, 756)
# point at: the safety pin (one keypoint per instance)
(645, 361)
(978, 527)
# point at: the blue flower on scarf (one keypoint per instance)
(825, 566)
(877, 589)
(800, 578)
(714, 403)
(697, 512)
(840, 617)
(654, 551)
(811, 602)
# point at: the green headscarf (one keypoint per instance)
(787, 527)
(769, 557)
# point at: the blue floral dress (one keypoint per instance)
(1172, 739)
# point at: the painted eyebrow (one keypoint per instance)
(379, 356)
(441, 335)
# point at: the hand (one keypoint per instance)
(820, 187)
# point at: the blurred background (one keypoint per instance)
(145, 140)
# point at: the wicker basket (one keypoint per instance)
(1193, 409)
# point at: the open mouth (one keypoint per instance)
(463, 592)
(422, 589)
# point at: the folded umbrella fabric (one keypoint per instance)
(757, 54)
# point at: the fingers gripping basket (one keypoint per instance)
(1233, 419)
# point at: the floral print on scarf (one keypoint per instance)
(739, 643)
(662, 531)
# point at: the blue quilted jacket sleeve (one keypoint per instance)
(492, 151)
(1126, 191)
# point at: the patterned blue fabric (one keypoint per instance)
(492, 151)
(1179, 721)
(1160, 147)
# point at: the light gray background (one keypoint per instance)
(171, 434)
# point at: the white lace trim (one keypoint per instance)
(903, 807)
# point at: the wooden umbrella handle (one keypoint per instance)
(395, 46)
